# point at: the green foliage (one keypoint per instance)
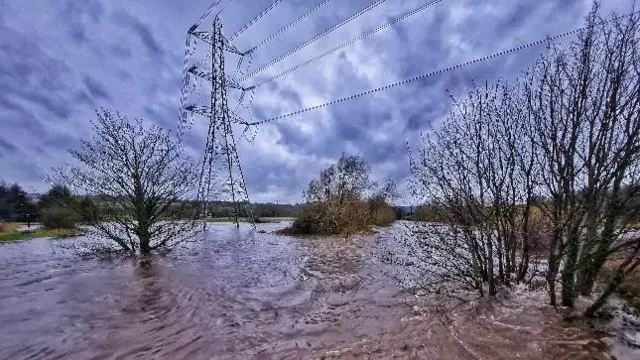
(15, 204)
(44, 233)
(400, 213)
(59, 209)
(59, 217)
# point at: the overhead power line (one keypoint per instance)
(314, 39)
(288, 26)
(350, 42)
(419, 77)
(255, 19)
(208, 12)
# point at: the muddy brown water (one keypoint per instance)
(236, 294)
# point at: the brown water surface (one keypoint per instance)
(243, 295)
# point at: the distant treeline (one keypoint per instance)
(225, 209)
(17, 205)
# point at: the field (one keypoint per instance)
(10, 232)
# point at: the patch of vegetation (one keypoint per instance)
(629, 289)
(40, 233)
(258, 220)
(337, 204)
(59, 218)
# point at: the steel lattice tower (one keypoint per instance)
(221, 177)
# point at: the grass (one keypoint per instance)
(10, 233)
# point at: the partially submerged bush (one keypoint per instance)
(319, 219)
(353, 217)
(336, 204)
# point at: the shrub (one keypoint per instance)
(318, 219)
(383, 216)
(59, 217)
(353, 217)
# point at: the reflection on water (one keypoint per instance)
(236, 294)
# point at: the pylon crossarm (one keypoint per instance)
(230, 82)
(207, 36)
(206, 111)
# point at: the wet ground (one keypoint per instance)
(237, 294)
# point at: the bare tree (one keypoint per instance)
(476, 170)
(341, 182)
(585, 105)
(137, 176)
(565, 143)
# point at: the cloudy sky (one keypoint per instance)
(61, 59)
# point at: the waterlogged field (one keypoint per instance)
(239, 294)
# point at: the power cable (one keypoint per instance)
(255, 19)
(350, 42)
(288, 26)
(419, 77)
(314, 39)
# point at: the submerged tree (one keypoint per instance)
(585, 106)
(136, 176)
(476, 172)
(557, 154)
(344, 200)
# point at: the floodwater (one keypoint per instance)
(237, 294)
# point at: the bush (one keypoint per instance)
(59, 217)
(319, 219)
(355, 216)
(384, 216)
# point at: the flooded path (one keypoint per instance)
(243, 295)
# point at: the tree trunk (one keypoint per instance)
(553, 259)
(569, 272)
(490, 277)
(145, 238)
(585, 283)
(551, 280)
(500, 254)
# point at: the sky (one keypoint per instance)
(60, 60)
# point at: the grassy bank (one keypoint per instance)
(10, 232)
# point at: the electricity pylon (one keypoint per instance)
(221, 177)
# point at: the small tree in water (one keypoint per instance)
(137, 176)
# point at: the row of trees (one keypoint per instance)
(58, 208)
(15, 204)
(549, 162)
(344, 200)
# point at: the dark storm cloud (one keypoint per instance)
(61, 59)
(30, 75)
(74, 14)
(165, 116)
(96, 89)
(83, 97)
(142, 31)
(121, 51)
(7, 148)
